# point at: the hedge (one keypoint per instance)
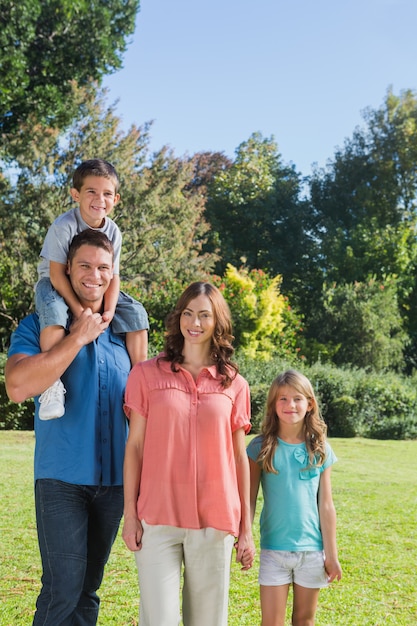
(353, 402)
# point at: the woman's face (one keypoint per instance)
(197, 321)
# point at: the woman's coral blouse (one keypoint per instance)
(188, 475)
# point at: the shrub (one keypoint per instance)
(159, 299)
(334, 388)
(361, 324)
(394, 428)
(264, 324)
(258, 395)
(385, 399)
(353, 402)
(341, 417)
(357, 403)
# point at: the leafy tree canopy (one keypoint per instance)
(363, 207)
(363, 211)
(160, 218)
(360, 324)
(50, 46)
(250, 205)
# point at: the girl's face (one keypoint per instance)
(197, 321)
(291, 406)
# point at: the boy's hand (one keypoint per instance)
(107, 317)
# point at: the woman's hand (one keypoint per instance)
(132, 533)
(245, 550)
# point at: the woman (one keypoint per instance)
(186, 472)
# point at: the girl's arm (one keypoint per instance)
(245, 548)
(255, 479)
(327, 513)
(111, 297)
(132, 470)
(59, 279)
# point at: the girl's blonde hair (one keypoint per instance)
(314, 427)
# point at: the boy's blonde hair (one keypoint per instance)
(95, 167)
(314, 426)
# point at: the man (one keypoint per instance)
(78, 458)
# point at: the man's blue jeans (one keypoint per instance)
(77, 526)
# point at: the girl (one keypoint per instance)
(186, 471)
(292, 460)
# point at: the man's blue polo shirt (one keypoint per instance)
(85, 446)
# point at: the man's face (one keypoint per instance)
(90, 273)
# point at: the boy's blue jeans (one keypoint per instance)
(77, 526)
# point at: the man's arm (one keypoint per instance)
(27, 376)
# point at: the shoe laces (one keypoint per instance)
(53, 392)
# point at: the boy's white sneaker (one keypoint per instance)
(52, 403)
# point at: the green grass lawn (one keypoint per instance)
(375, 492)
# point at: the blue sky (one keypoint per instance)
(210, 73)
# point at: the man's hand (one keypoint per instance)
(88, 326)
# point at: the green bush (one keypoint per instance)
(360, 325)
(394, 428)
(341, 417)
(385, 397)
(335, 391)
(258, 395)
(353, 402)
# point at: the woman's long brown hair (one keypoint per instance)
(221, 344)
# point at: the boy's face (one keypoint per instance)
(96, 199)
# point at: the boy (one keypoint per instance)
(95, 189)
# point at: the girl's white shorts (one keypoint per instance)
(278, 567)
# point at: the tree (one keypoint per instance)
(49, 47)
(264, 324)
(163, 223)
(360, 325)
(207, 165)
(253, 208)
(161, 220)
(363, 210)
